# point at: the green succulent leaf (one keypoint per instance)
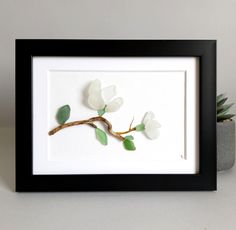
(101, 112)
(140, 127)
(63, 114)
(101, 136)
(219, 97)
(222, 101)
(224, 108)
(224, 117)
(221, 113)
(130, 137)
(129, 145)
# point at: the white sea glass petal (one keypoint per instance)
(148, 116)
(94, 87)
(114, 105)
(108, 93)
(95, 101)
(152, 129)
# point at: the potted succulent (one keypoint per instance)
(225, 134)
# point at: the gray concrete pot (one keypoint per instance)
(225, 145)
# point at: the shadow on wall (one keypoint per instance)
(7, 159)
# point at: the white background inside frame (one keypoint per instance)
(166, 86)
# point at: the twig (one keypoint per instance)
(90, 122)
(131, 123)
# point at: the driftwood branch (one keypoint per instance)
(90, 122)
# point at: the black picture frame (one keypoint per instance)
(204, 180)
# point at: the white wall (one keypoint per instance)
(149, 19)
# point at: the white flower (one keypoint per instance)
(100, 99)
(151, 125)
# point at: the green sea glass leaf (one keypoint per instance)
(129, 145)
(140, 127)
(130, 137)
(63, 114)
(101, 136)
(101, 112)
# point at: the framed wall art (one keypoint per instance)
(115, 115)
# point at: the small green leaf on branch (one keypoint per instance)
(129, 145)
(140, 127)
(63, 114)
(101, 136)
(101, 111)
(130, 137)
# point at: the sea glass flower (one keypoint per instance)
(102, 99)
(151, 126)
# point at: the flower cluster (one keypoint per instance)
(102, 99)
(151, 126)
